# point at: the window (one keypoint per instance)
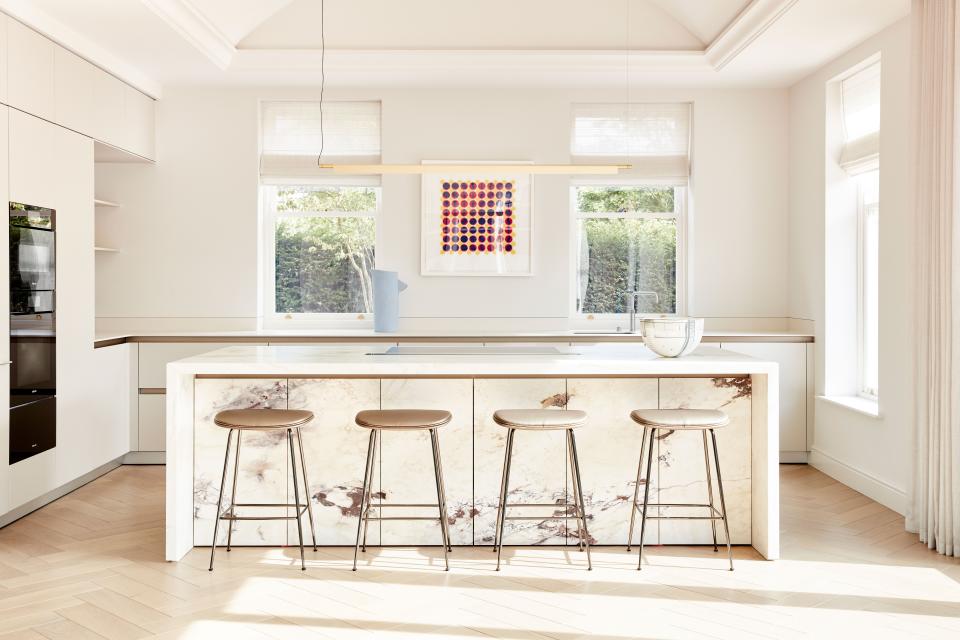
(627, 240)
(868, 214)
(318, 231)
(630, 230)
(324, 243)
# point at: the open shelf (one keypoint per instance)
(104, 203)
(106, 250)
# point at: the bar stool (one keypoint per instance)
(542, 420)
(403, 420)
(703, 420)
(241, 420)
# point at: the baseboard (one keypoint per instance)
(867, 484)
(145, 457)
(31, 506)
(794, 457)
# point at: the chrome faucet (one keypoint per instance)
(632, 305)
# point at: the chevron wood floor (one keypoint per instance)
(91, 566)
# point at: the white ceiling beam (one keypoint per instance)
(196, 29)
(40, 21)
(749, 25)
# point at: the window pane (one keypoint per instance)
(871, 300)
(625, 199)
(323, 264)
(323, 198)
(619, 255)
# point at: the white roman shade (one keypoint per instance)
(290, 136)
(653, 137)
(860, 112)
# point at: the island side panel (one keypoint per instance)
(407, 467)
(179, 471)
(766, 467)
(335, 449)
(263, 473)
(682, 469)
(538, 472)
(609, 451)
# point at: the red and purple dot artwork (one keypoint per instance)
(477, 216)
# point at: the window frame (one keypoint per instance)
(270, 317)
(680, 214)
(863, 212)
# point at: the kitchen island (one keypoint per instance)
(607, 381)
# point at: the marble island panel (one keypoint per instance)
(335, 383)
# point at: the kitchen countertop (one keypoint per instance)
(104, 339)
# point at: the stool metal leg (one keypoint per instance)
(443, 487)
(723, 504)
(223, 482)
(296, 497)
(233, 492)
(646, 495)
(573, 492)
(503, 494)
(503, 480)
(706, 462)
(306, 487)
(363, 495)
(366, 513)
(636, 489)
(578, 485)
(441, 506)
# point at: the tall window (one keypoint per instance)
(630, 229)
(318, 231)
(860, 111)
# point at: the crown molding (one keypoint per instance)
(749, 25)
(27, 12)
(195, 28)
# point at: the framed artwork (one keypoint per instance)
(477, 222)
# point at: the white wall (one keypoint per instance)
(868, 453)
(188, 227)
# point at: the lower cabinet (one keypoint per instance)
(152, 421)
(794, 391)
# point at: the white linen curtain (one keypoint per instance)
(934, 498)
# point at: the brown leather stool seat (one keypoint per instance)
(262, 419)
(403, 419)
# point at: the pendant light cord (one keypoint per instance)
(323, 75)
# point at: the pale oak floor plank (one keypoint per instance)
(91, 565)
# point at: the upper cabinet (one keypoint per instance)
(41, 78)
(73, 91)
(29, 71)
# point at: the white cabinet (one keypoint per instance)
(152, 422)
(3, 57)
(4, 259)
(138, 123)
(32, 142)
(73, 91)
(29, 70)
(792, 358)
(108, 96)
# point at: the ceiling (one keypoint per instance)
(157, 43)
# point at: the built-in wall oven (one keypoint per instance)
(33, 343)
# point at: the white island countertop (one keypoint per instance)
(438, 360)
(571, 362)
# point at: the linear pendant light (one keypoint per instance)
(555, 169)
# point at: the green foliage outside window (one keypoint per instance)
(627, 254)
(323, 263)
